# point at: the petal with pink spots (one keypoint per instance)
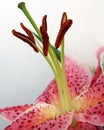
(93, 115)
(11, 113)
(42, 116)
(84, 126)
(94, 94)
(78, 76)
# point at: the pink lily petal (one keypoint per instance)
(94, 115)
(92, 101)
(94, 95)
(84, 126)
(100, 51)
(78, 77)
(11, 113)
(42, 116)
(99, 71)
(50, 95)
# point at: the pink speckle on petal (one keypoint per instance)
(92, 100)
(84, 126)
(11, 113)
(78, 76)
(41, 117)
(95, 93)
(93, 115)
(59, 123)
(50, 95)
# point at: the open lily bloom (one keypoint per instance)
(74, 100)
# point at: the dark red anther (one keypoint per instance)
(63, 29)
(44, 22)
(29, 33)
(45, 37)
(28, 39)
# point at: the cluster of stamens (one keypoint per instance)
(39, 41)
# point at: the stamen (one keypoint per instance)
(45, 37)
(29, 33)
(54, 62)
(63, 29)
(44, 22)
(25, 39)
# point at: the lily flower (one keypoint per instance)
(74, 100)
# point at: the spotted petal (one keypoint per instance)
(91, 106)
(93, 115)
(78, 77)
(91, 102)
(11, 113)
(84, 126)
(42, 116)
(94, 95)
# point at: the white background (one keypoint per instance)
(24, 74)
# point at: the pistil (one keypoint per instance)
(22, 6)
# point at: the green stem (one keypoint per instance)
(62, 53)
(59, 80)
(46, 57)
(64, 93)
(54, 58)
